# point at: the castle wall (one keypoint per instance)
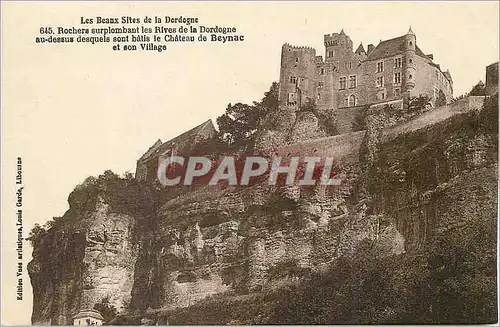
(492, 79)
(434, 116)
(359, 91)
(343, 148)
(326, 99)
(430, 78)
(390, 90)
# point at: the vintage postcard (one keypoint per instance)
(242, 163)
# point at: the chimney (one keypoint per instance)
(370, 48)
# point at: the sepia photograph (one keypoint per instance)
(249, 163)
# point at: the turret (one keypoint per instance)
(410, 60)
(360, 52)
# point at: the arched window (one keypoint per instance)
(352, 100)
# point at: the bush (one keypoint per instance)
(107, 310)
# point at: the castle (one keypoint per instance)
(347, 78)
(344, 82)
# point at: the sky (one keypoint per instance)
(72, 111)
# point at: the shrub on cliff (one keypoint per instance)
(39, 231)
(478, 89)
(327, 120)
(107, 310)
(125, 195)
(488, 117)
(417, 105)
(452, 280)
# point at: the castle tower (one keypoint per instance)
(360, 52)
(297, 76)
(409, 65)
(336, 45)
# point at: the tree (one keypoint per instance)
(36, 234)
(107, 310)
(441, 100)
(327, 121)
(239, 123)
(478, 90)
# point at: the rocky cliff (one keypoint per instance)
(155, 253)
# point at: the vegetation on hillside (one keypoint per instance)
(239, 124)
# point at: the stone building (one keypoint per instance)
(147, 165)
(492, 79)
(88, 318)
(345, 78)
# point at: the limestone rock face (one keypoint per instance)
(145, 251)
(86, 256)
(109, 258)
(306, 127)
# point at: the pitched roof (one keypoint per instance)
(185, 138)
(391, 47)
(151, 149)
(360, 49)
(89, 313)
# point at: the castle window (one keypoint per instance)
(331, 53)
(411, 43)
(381, 96)
(335, 42)
(317, 98)
(346, 102)
(348, 65)
(293, 80)
(410, 76)
(436, 93)
(380, 67)
(297, 59)
(397, 92)
(320, 85)
(342, 83)
(410, 61)
(397, 63)
(352, 81)
(322, 72)
(397, 78)
(380, 81)
(352, 100)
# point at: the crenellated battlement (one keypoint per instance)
(298, 48)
